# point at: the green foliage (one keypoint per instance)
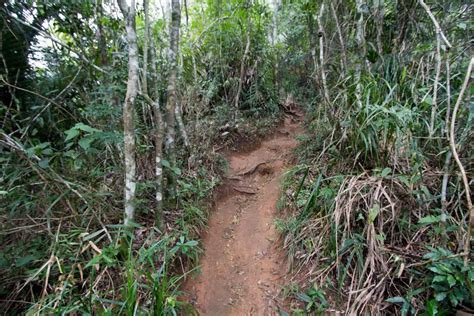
(314, 300)
(450, 280)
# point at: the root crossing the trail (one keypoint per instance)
(243, 266)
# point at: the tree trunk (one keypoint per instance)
(379, 16)
(341, 40)
(158, 118)
(321, 35)
(242, 66)
(128, 112)
(172, 94)
(100, 33)
(277, 4)
(312, 44)
(360, 41)
(182, 128)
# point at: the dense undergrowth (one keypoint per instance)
(64, 248)
(375, 217)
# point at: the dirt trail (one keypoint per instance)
(242, 264)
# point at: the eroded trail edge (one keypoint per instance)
(243, 265)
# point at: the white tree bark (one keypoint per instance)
(128, 111)
(321, 35)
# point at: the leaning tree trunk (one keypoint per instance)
(128, 124)
(172, 99)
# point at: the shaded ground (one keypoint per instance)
(242, 264)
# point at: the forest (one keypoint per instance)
(236, 157)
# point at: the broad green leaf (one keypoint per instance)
(451, 280)
(192, 243)
(436, 270)
(44, 163)
(440, 296)
(429, 220)
(386, 172)
(94, 261)
(374, 211)
(404, 179)
(85, 142)
(165, 163)
(86, 128)
(305, 298)
(72, 133)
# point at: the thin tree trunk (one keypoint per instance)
(159, 132)
(341, 40)
(128, 111)
(145, 48)
(172, 99)
(182, 128)
(178, 112)
(158, 119)
(312, 45)
(321, 53)
(101, 36)
(448, 92)
(447, 161)
(439, 37)
(434, 107)
(404, 8)
(242, 66)
(360, 40)
(276, 8)
(379, 16)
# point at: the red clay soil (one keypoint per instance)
(243, 264)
